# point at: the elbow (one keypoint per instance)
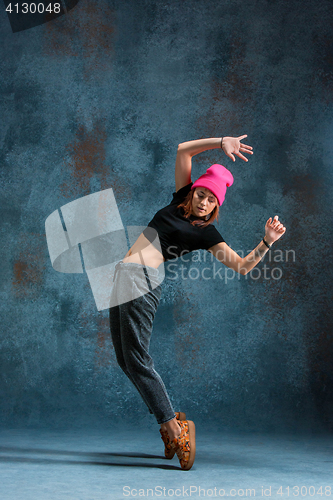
(243, 271)
(181, 146)
(183, 150)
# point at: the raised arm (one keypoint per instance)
(230, 145)
(242, 265)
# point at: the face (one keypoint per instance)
(203, 202)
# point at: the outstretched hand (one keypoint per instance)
(232, 146)
(273, 230)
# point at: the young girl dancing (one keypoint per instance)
(181, 227)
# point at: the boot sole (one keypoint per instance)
(191, 433)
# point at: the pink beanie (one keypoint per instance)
(216, 179)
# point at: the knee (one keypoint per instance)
(137, 363)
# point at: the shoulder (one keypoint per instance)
(211, 236)
(180, 195)
(211, 229)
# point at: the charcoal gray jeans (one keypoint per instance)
(131, 325)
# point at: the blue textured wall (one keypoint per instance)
(100, 98)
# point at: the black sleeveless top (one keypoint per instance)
(176, 233)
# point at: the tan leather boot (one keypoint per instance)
(184, 445)
(168, 450)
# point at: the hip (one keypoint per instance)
(132, 280)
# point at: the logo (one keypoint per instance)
(87, 235)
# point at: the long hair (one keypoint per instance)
(187, 206)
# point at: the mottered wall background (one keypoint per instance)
(99, 98)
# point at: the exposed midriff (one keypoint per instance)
(144, 252)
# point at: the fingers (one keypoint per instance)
(245, 146)
(247, 151)
(241, 156)
(233, 147)
(240, 138)
(231, 156)
(276, 224)
(275, 220)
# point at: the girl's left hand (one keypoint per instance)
(273, 230)
(233, 146)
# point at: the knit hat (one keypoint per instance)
(216, 179)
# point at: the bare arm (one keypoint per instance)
(242, 265)
(230, 145)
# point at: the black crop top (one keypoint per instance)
(176, 233)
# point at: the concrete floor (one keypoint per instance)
(118, 464)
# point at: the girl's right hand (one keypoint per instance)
(274, 229)
(232, 145)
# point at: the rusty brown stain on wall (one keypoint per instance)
(237, 88)
(86, 158)
(119, 184)
(96, 327)
(86, 32)
(29, 265)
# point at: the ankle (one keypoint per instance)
(172, 428)
(174, 433)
